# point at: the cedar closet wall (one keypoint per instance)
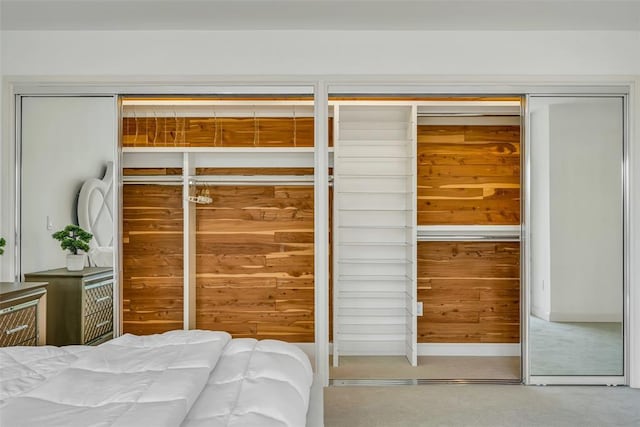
(251, 250)
(468, 179)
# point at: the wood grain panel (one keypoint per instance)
(468, 175)
(151, 171)
(470, 292)
(152, 272)
(220, 132)
(254, 263)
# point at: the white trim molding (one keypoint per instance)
(632, 328)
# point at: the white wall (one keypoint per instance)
(65, 141)
(203, 53)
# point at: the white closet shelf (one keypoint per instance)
(381, 158)
(379, 125)
(372, 142)
(370, 158)
(374, 210)
(376, 295)
(375, 192)
(372, 338)
(372, 321)
(369, 244)
(375, 312)
(377, 277)
(374, 227)
(468, 232)
(373, 175)
(151, 178)
(374, 261)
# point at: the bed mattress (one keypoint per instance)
(180, 378)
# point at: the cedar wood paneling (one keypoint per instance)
(219, 132)
(470, 292)
(255, 252)
(469, 175)
(152, 268)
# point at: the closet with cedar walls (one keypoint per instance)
(426, 230)
(218, 216)
(424, 213)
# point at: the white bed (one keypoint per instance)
(179, 378)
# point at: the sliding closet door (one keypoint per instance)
(65, 140)
(576, 240)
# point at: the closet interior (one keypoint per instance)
(218, 227)
(427, 238)
(218, 209)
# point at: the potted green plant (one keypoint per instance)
(74, 239)
(3, 243)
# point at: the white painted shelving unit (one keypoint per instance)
(374, 231)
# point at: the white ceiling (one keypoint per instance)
(320, 15)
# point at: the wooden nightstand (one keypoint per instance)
(79, 305)
(23, 313)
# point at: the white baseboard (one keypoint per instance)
(471, 349)
(540, 313)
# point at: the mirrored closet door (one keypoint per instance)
(576, 239)
(67, 149)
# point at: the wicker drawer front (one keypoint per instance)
(18, 324)
(30, 342)
(98, 297)
(97, 324)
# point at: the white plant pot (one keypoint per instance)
(76, 262)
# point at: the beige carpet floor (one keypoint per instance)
(481, 406)
(429, 367)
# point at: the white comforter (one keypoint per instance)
(188, 378)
